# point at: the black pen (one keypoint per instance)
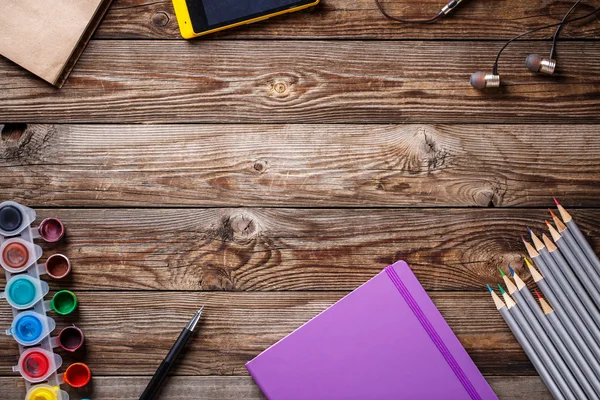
(165, 366)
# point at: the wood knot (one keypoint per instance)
(13, 132)
(260, 166)
(235, 227)
(160, 19)
(490, 196)
(281, 86)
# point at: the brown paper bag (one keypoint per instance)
(47, 36)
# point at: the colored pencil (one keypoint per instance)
(591, 370)
(576, 249)
(570, 320)
(581, 240)
(574, 298)
(537, 345)
(526, 301)
(566, 251)
(571, 281)
(524, 342)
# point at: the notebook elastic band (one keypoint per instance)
(460, 374)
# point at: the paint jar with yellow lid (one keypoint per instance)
(46, 392)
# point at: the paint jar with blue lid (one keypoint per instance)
(29, 328)
(14, 218)
(23, 291)
(17, 255)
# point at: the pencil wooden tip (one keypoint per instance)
(536, 241)
(549, 245)
(530, 250)
(552, 213)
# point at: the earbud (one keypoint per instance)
(537, 63)
(481, 80)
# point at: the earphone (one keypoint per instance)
(534, 62)
(444, 11)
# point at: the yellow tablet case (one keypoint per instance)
(185, 22)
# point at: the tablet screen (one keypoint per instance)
(211, 14)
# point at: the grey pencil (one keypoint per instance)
(581, 240)
(567, 235)
(544, 340)
(574, 332)
(557, 326)
(573, 358)
(524, 342)
(563, 303)
(587, 314)
(566, 251)
(537, 346)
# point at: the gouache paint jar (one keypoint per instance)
(70, 338)
(64, 302)
(51, 230)
(29, 328)
(37, 364)
(17, 255)
(77, 375)
(14, 218)
(58, 266)
(46, 392)
(23, 291)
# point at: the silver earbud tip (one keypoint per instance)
(481, 80)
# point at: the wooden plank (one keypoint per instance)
(134, 330)
(305, 81)
(354, 19)
(300, 165)
(293, 249)
(242, 387)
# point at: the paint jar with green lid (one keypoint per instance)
(64, 302)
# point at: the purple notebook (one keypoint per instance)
(385, 340)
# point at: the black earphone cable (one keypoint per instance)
(407, 21)
(557, 33)
(562, 23)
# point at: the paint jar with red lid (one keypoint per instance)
(77, 375)
(36, 364)
(17, 255)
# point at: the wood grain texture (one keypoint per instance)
(305, 81)
(292, 249)
(129, 333)
(360, 19)
(300, 165)
(241, 387)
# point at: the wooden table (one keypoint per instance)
(269, 170)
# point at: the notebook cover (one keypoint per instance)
(46, 37)
(385, 340)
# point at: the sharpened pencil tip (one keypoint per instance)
(552, 213)
(556, 202)
(539, 296)
(529, 230)
(501, 272)
(512, 271)
(489, 288)
(501, 289)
